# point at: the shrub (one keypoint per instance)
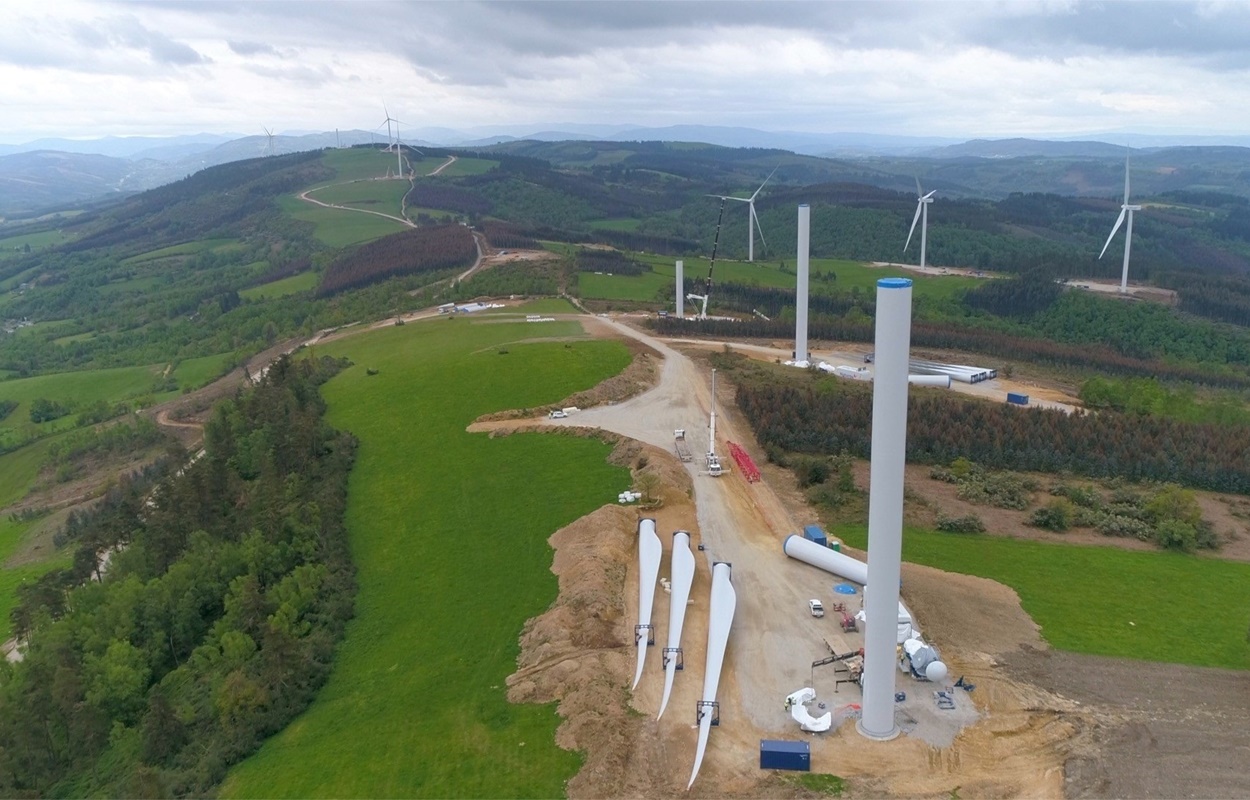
(1054, 516)
(1175, 534)
(970, 523)
(1085, 496)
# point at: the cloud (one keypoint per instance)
(246, 48)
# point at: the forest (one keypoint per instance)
(832, 416)
(422, 250)
(200, 612)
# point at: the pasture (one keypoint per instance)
(13, 575)
(16, 245)
(468, 166)
(448, 532)
(69, 388)
(1183, 609)
(384, 196)
(339, 228)
(828, 275)
(184, 249)
(303, 282)
(20, 468)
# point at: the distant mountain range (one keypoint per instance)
(49, 173)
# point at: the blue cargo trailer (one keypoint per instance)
(813, 533)
(1017, 398)
(781, 754)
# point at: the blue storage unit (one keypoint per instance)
(1017, 398)
(813, 533)
(781, 754)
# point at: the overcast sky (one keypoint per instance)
(970, 69)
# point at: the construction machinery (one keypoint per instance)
(707, 282)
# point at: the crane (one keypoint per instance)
(707, 283)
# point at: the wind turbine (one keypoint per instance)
(269, 141)
(922, 214)
(1128, 232)
(753, 222)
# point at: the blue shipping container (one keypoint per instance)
(1018, 399)
(781, 754)
(815, 534)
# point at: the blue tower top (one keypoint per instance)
(894, 283)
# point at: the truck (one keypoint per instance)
(815, 606)
(813, 533)
(679, 444)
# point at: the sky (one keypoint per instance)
(1048, 68)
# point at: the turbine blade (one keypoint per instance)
(766, 180)
(1126, 180)
(930, 194)
(919, 191)
(1119, 221)
(914, 220)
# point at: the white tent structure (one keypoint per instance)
(683, 578)
(649, 553)
(720, 619)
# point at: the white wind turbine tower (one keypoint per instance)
(1128, 232)
(922, 214)
(753, 222)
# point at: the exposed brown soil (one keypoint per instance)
(1037, 735)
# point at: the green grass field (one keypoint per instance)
(184, 249)
(384, 196)
(448, 532)
(19, 469)
(615, 224)
(11, 536)
(87, 386)
(850, 274)
(16, 245)
(468, 166)
(357, 163)
(196, 372)
(282, 287)
(1184, 609)
(338, 228)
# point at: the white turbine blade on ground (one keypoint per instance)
(766, 180)
(1118, 222)
(914, 220)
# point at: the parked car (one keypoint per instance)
(816, 608)
(558, 414)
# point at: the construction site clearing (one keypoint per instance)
(1000, 722)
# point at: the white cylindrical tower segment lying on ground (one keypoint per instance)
(885, 505)
(832, 561)
(720, 618)
(800, 298)
(683, 578)
(650, 552)
(681, 292)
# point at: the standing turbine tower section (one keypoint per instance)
(681, 287)
(800, 300)
(1125, 210)
(885, 506)
(707, 283)
(922, 215)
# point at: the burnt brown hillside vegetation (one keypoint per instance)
(407, 253)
